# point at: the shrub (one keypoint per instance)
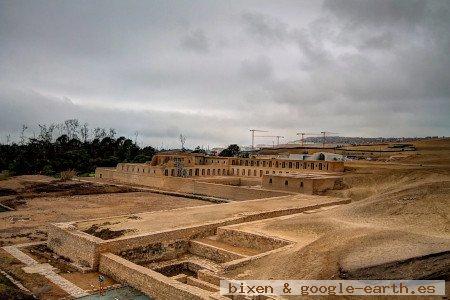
(48, 170)
(4, 175)
(68, 175)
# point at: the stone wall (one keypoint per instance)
(325, 184)
(190, 186)
(299, 184)
(81, 248)
(149, 282)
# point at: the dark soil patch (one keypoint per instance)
(173, 270)
(9, 290)
(7, 192)
(44, 254)
(15, 199)
(61, 188)
(105, 233)
(3, 208)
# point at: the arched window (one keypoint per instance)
(270, 180)
(286, 182)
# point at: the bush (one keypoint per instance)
(68, 175)
(48, 170)
(4, 175)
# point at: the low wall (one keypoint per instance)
(190, 186)
(234, 181)
(180, 235)
(250, 240)
(325, 184)
(160, 251)
(81, 248)
(147, 281)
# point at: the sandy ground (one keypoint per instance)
(399, 217)
(27, 223)
(155, 221)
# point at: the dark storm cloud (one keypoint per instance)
(365, 67)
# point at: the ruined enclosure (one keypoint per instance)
(167, 251)
(183, 253)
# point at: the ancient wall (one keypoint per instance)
(324, 184)
(306, 185)
(242, 167)
(295, 184)
(149, 282)
(180, 235)
(79, 247)
(190, 186)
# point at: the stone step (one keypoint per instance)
(208, 276)
(214, 251)
(202, 284)
(180, 277)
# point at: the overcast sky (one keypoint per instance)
(212, 70)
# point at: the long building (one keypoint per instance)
(186, 164)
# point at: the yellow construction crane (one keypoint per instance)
(306, 133)
(253, 136)
(324, 134)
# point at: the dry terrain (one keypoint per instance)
(33, 210)
(397, 225)
(39, 200)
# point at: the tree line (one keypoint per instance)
(75, 147)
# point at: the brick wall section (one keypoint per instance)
(302, 184)
(156, 252)
(211, 252)
(250, 240)
(79, 247)
(85, 249)
(190, 186)
(325, 184)
(149, 282)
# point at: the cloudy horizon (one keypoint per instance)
(212, 70)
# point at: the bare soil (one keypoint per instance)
(397, 226)
(47, 201)
(39, 200)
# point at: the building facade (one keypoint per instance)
(185, 164)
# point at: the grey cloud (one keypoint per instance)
(19, 107)
(196, 41)
(213, 69)
(378, 12)
(257, 70)
(383, 40)
(264, 28)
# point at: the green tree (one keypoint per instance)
(230, 151)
